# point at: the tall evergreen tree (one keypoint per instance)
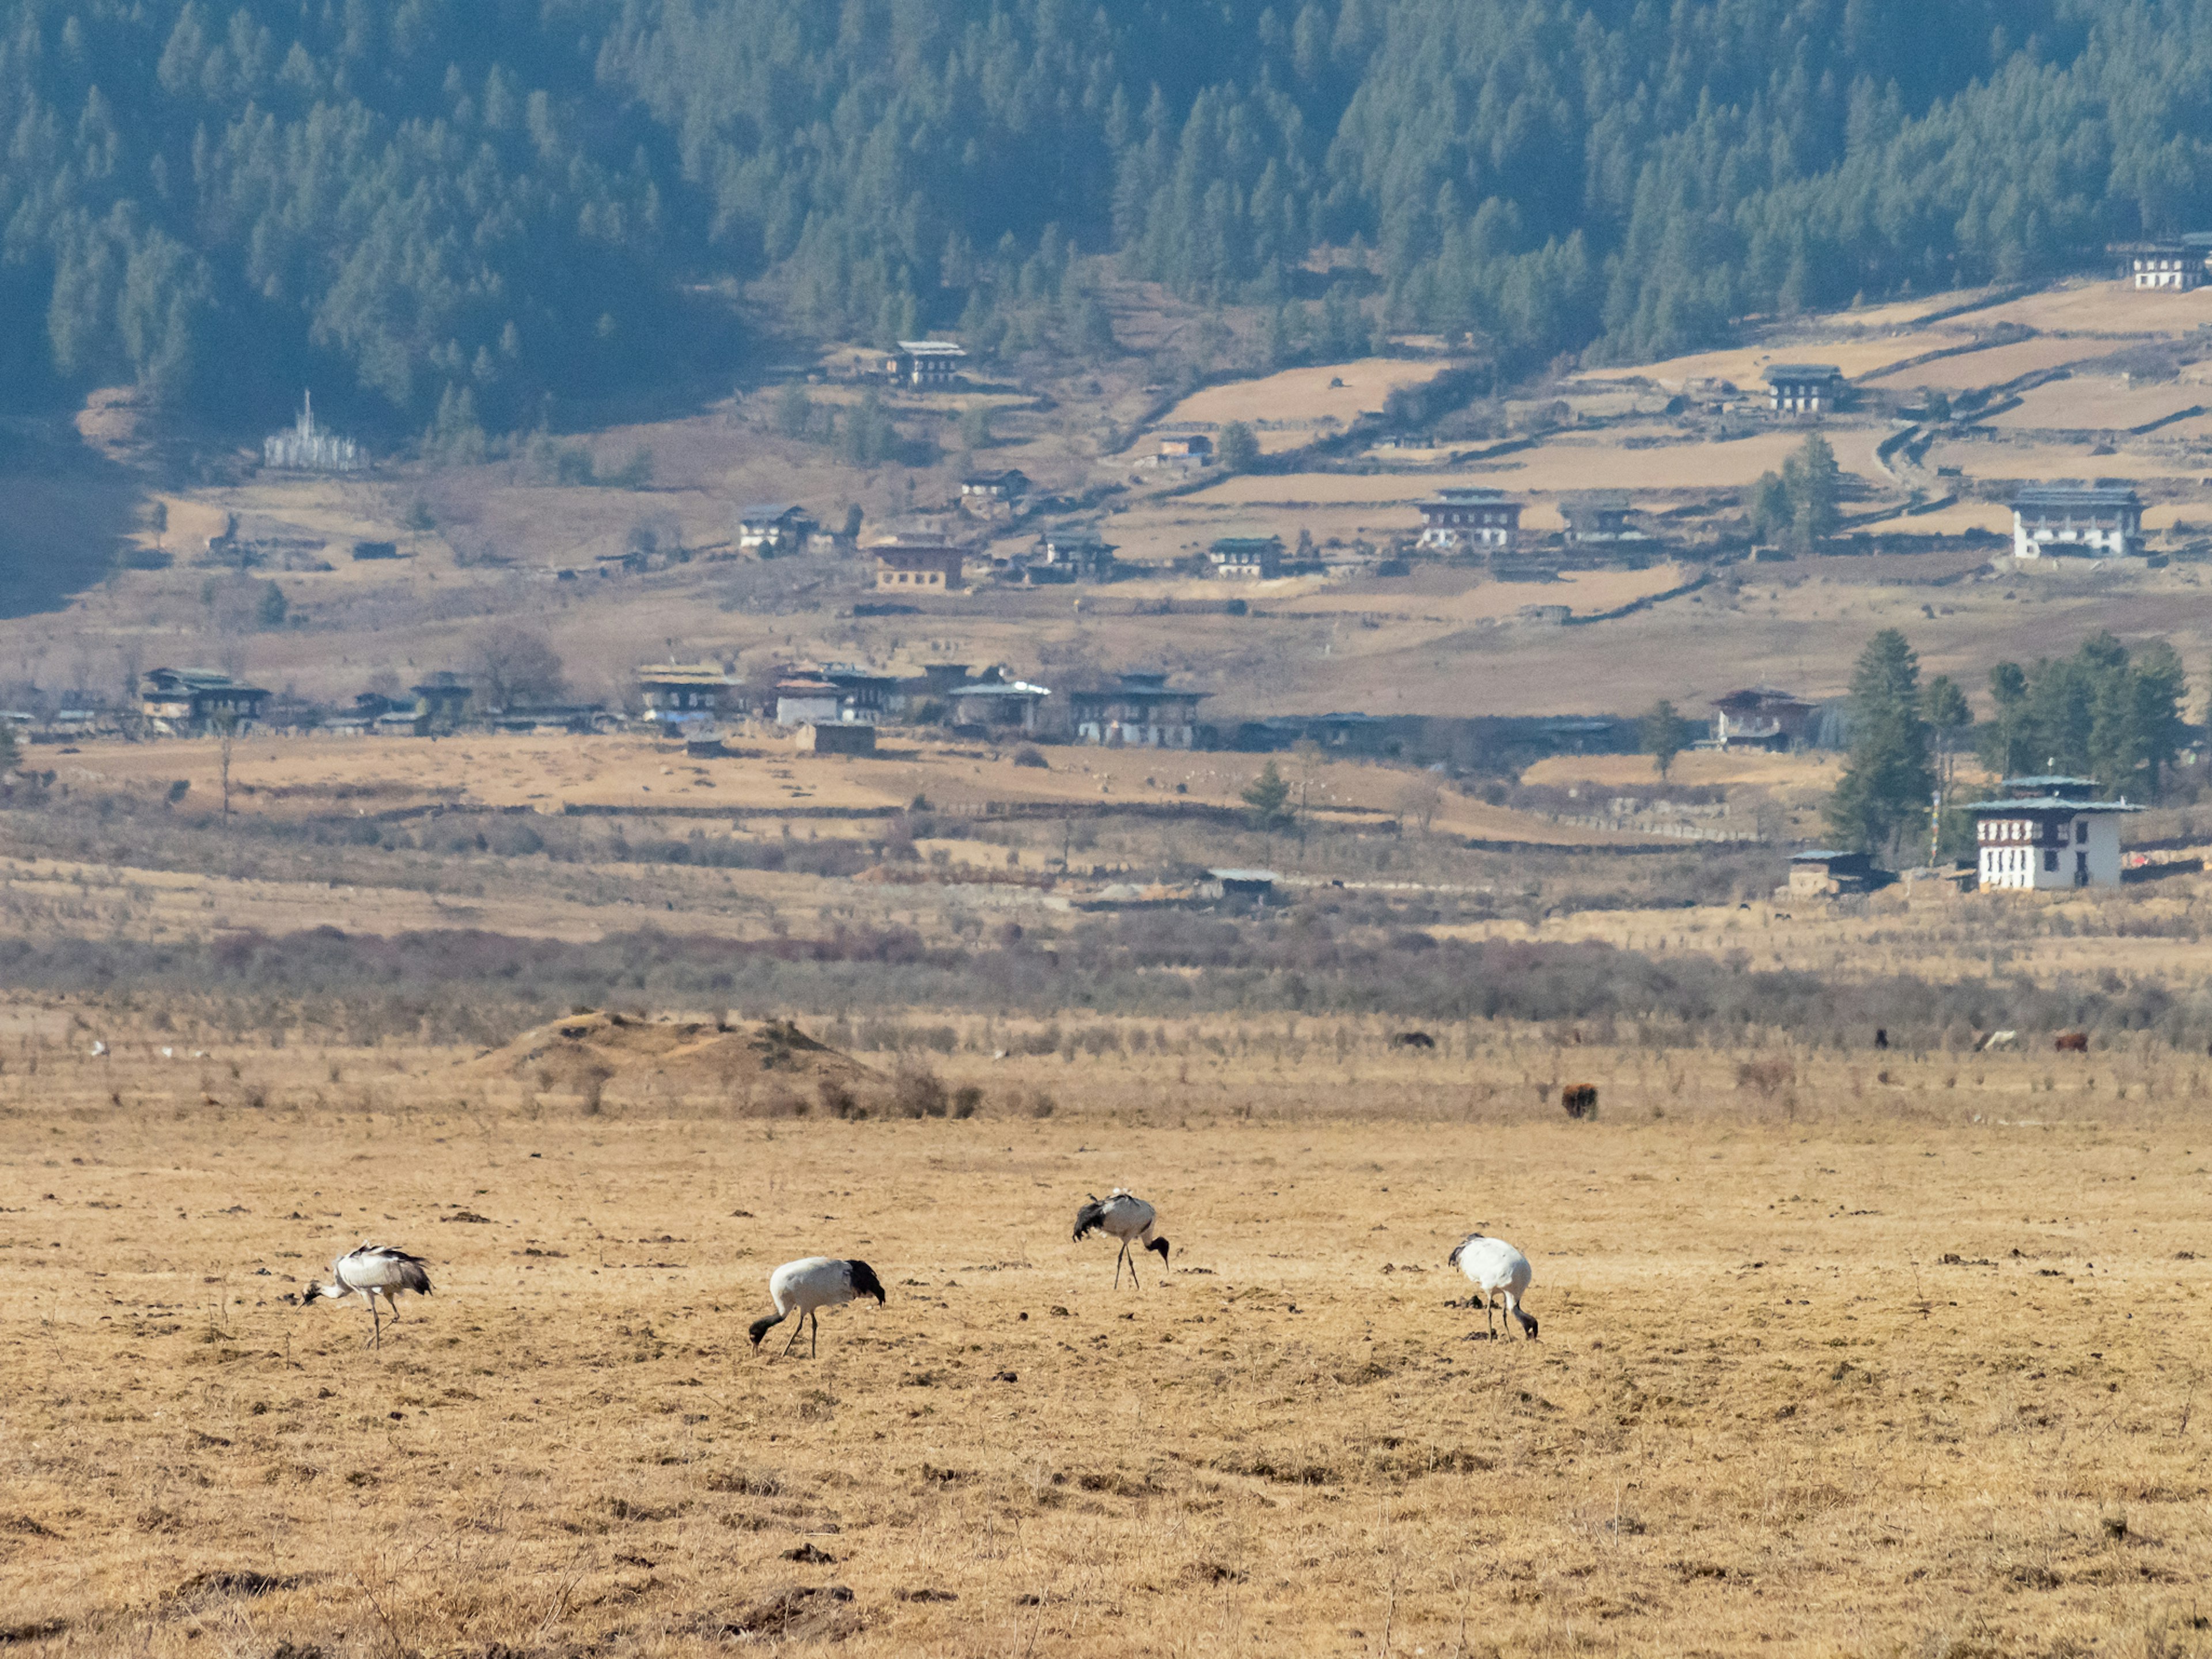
(1883, 795)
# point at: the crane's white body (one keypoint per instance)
(1499, 1273)
(1124, 1216)
(809, 1284)
(370, 1271)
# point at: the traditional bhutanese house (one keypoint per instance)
(1598, 520)
(925, 365)
(2047, 832)
(440, 702)
(1803, 388)
(187, 699)
(2101, 521)
(804, 700)
(1139, 712)
(863, 696)
(906, 569)
(769, 529)
(2172, 265)
(1249, 558)
(994, 701)
(1762, 717)
(991, 489)
(1461, 520)
(1825, 873)
(677, 694)
(1075, 555)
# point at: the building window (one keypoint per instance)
(2050, 858)
(2081, 831)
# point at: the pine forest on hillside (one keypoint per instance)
(485, 209)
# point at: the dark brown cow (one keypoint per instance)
(1580, 1100)
(1414, 1040)
(2073, 1042)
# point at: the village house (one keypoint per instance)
(807, 700)
(1762, 717)
(1252, 558)
(1189, 450)
(992, 702)
(863, 695)
(678, 694)
(188, 700)
(1598, 520)
(1826, 873)
(2047, 832)
(1081, 556)
(987, 491)
(906, 568)
(1463, 520)
(925, 365)
(1139, 712)
(441, 702)
(2172, 265)
(2102, 521)
(1803, 388)
(770, 530)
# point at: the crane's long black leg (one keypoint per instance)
(814, 1342)
(793, 1343)
(377, 1319)
(1117, 1264)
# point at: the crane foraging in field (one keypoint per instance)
(368, 1272)
(806, 1286)
(1124, 1216)
(1499, 1273)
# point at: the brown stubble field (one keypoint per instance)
(1767, 1409)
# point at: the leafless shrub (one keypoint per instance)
(967, 1099)
(1767, 1074)
(917, 1091)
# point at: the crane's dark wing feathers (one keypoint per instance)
(1092, 1215)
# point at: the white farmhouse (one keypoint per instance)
(2104, 521)
(2045, 833)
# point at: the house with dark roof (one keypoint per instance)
(770, 530)
(2048, 832)
(2099, 522)
(1138, 711)
(1803, 388)
(189, 699)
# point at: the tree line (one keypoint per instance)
(453, 215)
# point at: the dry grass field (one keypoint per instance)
(1841, 1354)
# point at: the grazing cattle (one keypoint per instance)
(2073, 1042)
(1414, 1040)
(1880, 1037)
(1580, 1100)
(1984, 1041)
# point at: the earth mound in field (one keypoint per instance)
(596, 1049)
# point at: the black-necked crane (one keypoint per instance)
(1497, 1271)
(1124, 1216)
(371, 1270)
(806, 1286)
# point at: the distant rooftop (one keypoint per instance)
(2076, 495)
(1802, 372)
